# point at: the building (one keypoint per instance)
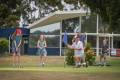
(87, 24)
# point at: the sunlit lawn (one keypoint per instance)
(31, 63)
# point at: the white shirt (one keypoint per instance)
(79, 44)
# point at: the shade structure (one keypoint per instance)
(56, 17)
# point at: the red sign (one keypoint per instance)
(118, 52)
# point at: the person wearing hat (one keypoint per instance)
(78, 48)
(16, 46)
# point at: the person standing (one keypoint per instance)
(41, 45)
(78, 48)
(16, 47)
(104, 53)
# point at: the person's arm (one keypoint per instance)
(38, 46)
(69, 46)
(77, 48)
(19, 43)
(45, 44)
(15, 43)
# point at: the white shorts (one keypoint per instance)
(42, 52)
(79, 54)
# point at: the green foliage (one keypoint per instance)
(90, 55)
(69, 56)
(109, 11)
(10, 12)
(3, 45)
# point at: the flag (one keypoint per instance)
(65, 38)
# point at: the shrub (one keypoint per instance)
(90, 55)
(3, 45)
(69, 56)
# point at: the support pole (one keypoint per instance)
(97, 42)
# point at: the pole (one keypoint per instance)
(80, 18)
(9, 43)
(97, 46)
(61, 38)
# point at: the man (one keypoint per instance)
(78, 51)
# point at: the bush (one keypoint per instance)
(90, 55)
(3, 45)
(69, 56)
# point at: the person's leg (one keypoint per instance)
(14, 59)
(18, 58)
(44, 56)
(44, 59)
(83, 60)
(40, 56)
(101, 57)
(19, 62)
(77, 61)
(104, 60)
(40, 59)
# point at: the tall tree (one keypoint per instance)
(109, 11)
(10, 12)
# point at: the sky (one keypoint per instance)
(51, 27)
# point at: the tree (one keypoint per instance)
(10, 12)
(109, 11)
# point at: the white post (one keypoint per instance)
(97, 42)
(85, 37)
(109, 44)
(60, 38)
(9, 43)
(97, 22)
(97, 45)
(112, 41)
(80, 18)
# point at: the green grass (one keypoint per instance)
(67, 69)
(55, 70)
(54, 66)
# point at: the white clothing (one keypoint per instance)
(79, 45)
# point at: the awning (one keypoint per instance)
(57, 16)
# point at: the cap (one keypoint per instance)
(18, 32)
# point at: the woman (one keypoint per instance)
(41, 45)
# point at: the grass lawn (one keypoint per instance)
(55, 70)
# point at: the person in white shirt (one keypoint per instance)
(78, 51)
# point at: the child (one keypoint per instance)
(41, 45)
(104, 53)
(16, 46)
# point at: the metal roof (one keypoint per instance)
(57, 16)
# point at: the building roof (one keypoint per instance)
(57, 16)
